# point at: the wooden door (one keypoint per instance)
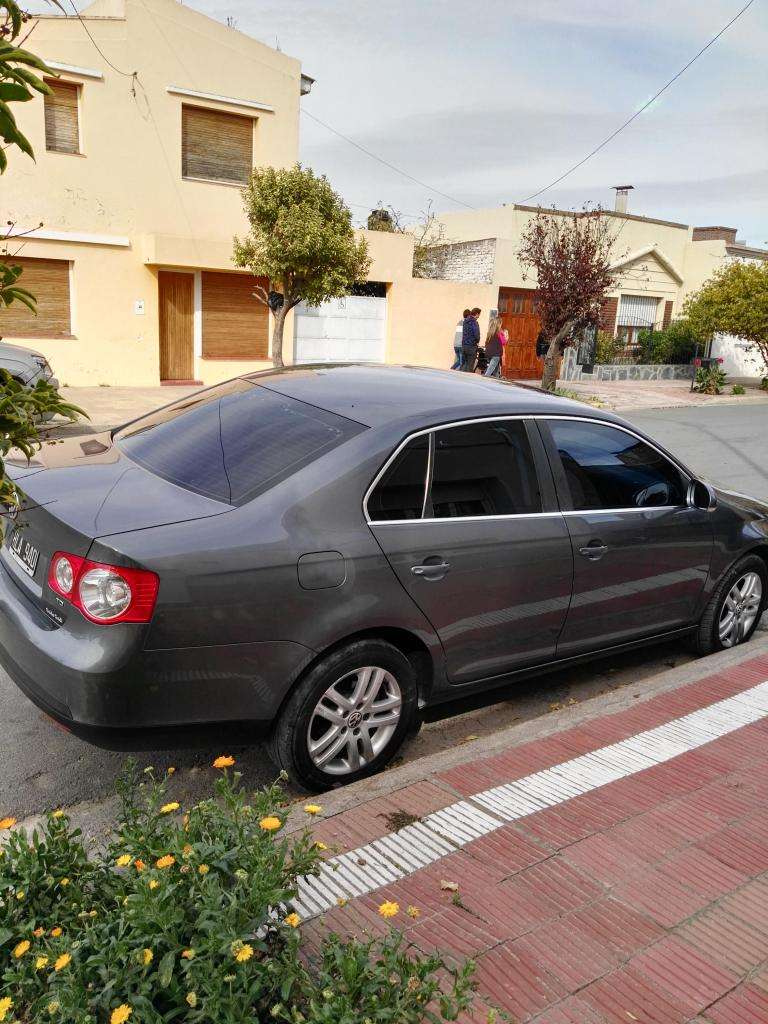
(519, 318)
(176, 301)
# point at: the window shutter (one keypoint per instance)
(215, 145)
(48, 280)
(62, 128)
(637, 311)
(235, 323)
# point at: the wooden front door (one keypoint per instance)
(177, 345)
(519, 318)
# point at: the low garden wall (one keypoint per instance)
(571, 370)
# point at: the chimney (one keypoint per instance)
(622, 196)
(715, 232)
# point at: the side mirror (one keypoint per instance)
(702, 496)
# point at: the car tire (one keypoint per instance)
(715, 620)
(367, 683)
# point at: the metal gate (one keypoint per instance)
(348, 330)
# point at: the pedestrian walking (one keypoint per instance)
(470, 339)
(458, 334)
(494, 347)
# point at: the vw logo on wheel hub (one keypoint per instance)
(354, 719)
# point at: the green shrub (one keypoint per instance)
(709, 380)
(675, 344)
(738, 389)
(185, 917)
(764, 384)
(606, 347)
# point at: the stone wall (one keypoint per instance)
(472, 262)
(571, 370)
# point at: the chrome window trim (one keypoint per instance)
(515, 515)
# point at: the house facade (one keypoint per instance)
(657, 264)
(124, 222)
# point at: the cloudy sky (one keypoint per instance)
(489, 100)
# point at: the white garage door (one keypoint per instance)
(348, 330)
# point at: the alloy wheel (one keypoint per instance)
(354, 720)
(740, 609)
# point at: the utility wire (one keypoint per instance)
(126, 74)
(386, 163)
(645, 106)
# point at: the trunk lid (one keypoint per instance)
(76, 490)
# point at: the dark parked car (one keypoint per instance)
(327, 550)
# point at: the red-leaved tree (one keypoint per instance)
(570, 255)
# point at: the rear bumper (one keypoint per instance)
(116, 685)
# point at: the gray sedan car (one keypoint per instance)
(26, 365)
(327, 550)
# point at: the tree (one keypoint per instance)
(301, 239)
(571, 257)
(734, 301)
(22, 409)
(430, 245)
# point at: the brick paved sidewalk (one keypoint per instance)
(641, 898)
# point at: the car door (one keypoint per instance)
(641, 551)
(467, 517)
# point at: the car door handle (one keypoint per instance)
(594, 550)
(433, 571)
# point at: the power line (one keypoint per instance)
(126, 74)
(386, 163)
(645, 106)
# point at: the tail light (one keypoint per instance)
(104, 593)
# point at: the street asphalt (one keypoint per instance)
(42, 766)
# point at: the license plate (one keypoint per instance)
(25, 553)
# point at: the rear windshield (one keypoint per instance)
(234, 441)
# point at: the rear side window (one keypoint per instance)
(400, 492)
(609, 468)
(234, 442)
(484, 469)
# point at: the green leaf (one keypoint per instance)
(165, 969)
(10, 91)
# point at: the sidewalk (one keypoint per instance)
(613, 871)
(658, 394)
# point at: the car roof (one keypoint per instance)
(379, 395)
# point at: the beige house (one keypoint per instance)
(658, 263)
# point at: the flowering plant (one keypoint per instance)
(185, 916)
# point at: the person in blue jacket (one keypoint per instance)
(470, 339)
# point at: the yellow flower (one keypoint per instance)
(39, 933)
(58, 813)
(243, 952)
(293, 920)
(203, 869)
(413, 912)
(165, 862)
(319, 845)
(187, 850)
(53, 1007)
(41, 962)
(312, 808)
(139, 864)
(6, 823)
(171, 770)
(6, 1004)
(153, 884)
(147, 956)
(62, 962)
(55, 932)
(20, 895)
(224, 761)
(123, 860)
(21, 948)
(341, 902)
(192, 999)
(169, 808)
(64, 883)
(270, 823)
(188, 954)
(389, 909)
(121, 1014)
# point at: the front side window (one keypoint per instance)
(400, 492)
(609, 468)
(216, 145)
(484, 469)
(62, 124)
